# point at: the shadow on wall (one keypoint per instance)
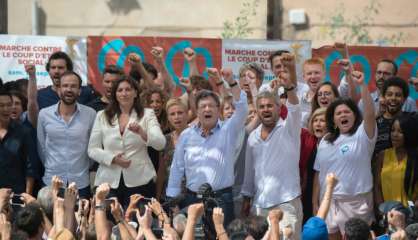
(123, 6)
(41, 21)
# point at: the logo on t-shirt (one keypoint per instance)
(344, 148)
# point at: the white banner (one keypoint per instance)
(16, 51)
(237, 52)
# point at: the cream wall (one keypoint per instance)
(198, 18)
(182, 18)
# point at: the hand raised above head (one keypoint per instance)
(189, 54)
(358, 77)
(158, 53)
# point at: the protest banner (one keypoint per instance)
(16, 51)
(237, 52)
(366, 58)
(114, 50)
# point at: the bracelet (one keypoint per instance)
(100, 207)
(289, 88)
(233, 84)
(120, 221)
(220, 234)
(219, 83)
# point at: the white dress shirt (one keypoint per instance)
(106, 142)
(272, 165)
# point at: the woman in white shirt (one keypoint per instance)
(347, 150)
(119, 140)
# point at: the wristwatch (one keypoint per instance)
(100, 207)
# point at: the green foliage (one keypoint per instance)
(354, 30)
(239, 27)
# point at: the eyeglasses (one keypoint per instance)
(413, 81)
(325, 94)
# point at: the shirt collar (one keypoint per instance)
(57, 112)
(198, 129)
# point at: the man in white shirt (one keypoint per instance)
(272, 160)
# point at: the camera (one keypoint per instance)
(206, 195)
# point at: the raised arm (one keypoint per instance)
(288, 81)
(369, 112)
(288, 60)
(190, 56)
(315, 193)
(218, 221)
(158, 54)
(136, 64)
(216, 80)
(326, 201)
(33, 107)
(194, 212)
(229, 78)
(100, 220)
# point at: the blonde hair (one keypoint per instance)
(316, 113)
(175, 102)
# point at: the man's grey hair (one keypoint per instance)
(267, 94)
(46, 201)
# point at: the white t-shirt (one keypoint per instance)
(349, 157)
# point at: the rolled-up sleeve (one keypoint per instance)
(95, 148)
(155, 137)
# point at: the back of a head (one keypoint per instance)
(257, 226)
(237, 229)
(412, 231)
(29, 219)
(356, 229)
(45, 200)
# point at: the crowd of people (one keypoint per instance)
(288, 159)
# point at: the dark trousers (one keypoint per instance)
(224, 199)
(122, 193)
(83, 193)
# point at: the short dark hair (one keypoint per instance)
(29, 219)
(412, 231)
(135, 74)
(113, 69)
(356, 229)
(201, 82)
(333, 131)
(396, 82)
(4, 92)
(68, 73)
(23, 99)
(395, 67)
(277, 53)
(150, 69)
(60, 55)
(205, 94)
(257, 226)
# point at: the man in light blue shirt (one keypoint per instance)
(63, 136)
(205, 152)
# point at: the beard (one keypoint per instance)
(69, 100)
